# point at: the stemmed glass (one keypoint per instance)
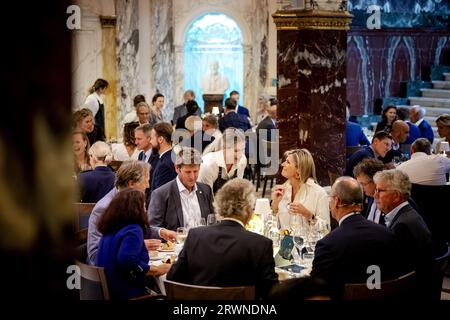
(181, 235)
(211, 219)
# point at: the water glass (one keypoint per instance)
(181, 235)
(202, 222)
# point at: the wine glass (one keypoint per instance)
(181, 235)
(202, 222)
(211, 219)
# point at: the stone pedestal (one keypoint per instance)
(213, 100)
(311, 73)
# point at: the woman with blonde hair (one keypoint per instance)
(443, 125)
(300, 194)
(80, 147)
(95, 184)
(83, 120)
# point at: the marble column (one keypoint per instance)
(311, 74)
(109, 68)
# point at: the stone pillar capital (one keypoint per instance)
(312, 20)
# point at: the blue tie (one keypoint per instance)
(382, 221)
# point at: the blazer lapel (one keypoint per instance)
(203, 203)
(177, 202)
(399, 213)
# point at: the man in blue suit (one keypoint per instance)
(414, 132)
(417, 114)
(161, 141)
(345, 254)
(232, 118)
(234, 95)
(354, 135)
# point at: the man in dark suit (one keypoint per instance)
(161, 141)
(393, 189)
(181, 110)
(182, 202)
(380, 146)
(417, 114)
(226, 254)
(234, 95)
(344, 255)
(399, 134)
(142, 140)
(233, 119)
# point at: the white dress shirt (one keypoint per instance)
(374, 213)
(92, 102)
(312, 196)
(120, 152)
(426, 169)
(391, 215)
(209, 169)
(189, 205)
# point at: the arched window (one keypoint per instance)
(213, 37)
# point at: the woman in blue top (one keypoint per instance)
(122, 251)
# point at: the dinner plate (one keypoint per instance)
(166, 250)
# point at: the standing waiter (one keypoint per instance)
(94, 102)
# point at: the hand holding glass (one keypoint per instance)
(181, 235)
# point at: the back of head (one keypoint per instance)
(211, 119)
(349, 191)
(230, 104)
(421, 145)
(191, 106)
(193, 123)
(137, 99)
(444, 119)
(164, 130)
(131, 171)
(403, 113)
(101, 151)
(368, 167)
(233, 92)
(235, 199)
(99, 84)
(398, 125)
(128, 132)
(188, 156)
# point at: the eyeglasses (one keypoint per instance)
(382, 190)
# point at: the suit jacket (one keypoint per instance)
(181, 111)
(344, 255)
(243, 110)
(354, 135)
(226, 255)
(153, 161)
(266, 124)
(165, 205)
(95, 184)
(414, 133)
(235, 120)
(356, 158)
(163, 172)
(413, 237)
(426, 131)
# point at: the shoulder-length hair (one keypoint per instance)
(127, 207)
(304, 163)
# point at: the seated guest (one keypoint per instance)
(132, 116)
(300, 192)
(131, 175)
(143, 113)
(381, 144)
(210, 126)
(83, 120)
(225, 254)
(161, 141)
(122, 251)
(182, 202)
(192, 109)
(127, 149)
(156, 115)
(261, 108)
(142, 136)
(80, 147)
(354, 135)
(417, 114)
(424, 168)
(181, 110)
(443, 125)
(393, 189)
(414, 132)
(344, 255)
(98, 182)
(228, 163)
(231, 119)
(364, 172)
(388, 116)
(269, 123)
(198, 138)
(399, 134)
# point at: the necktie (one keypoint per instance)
(142, 156)
(382, 221)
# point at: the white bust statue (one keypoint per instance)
(214, 82)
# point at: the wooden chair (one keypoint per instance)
(265, 170)
(81, 236)
(396, 289)
(115, 165)
(93, 284)
(82, 213)
(181, 291)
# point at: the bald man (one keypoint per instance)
(399, 133)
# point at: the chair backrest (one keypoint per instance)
(82, 212)
(398, 288)
(81, 253)
(81, 237)
(270, 150)
(181, 291)
(93, 285)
